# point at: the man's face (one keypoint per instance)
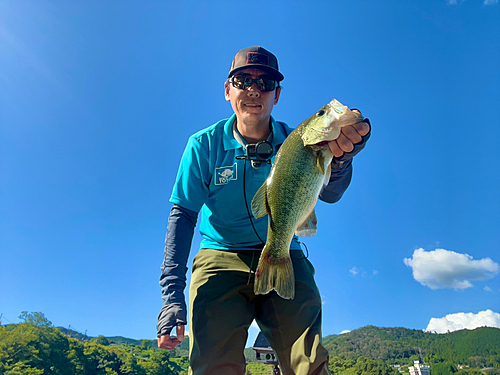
(252, 106)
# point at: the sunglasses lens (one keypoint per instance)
(269, 84)
(266, 84)
(244, 82)
(249, 82)
(238, 82)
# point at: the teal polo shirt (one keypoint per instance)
(211, 180)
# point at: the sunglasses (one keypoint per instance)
(243, 82)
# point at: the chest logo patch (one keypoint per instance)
(225, 174)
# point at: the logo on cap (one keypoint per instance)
(257, 58)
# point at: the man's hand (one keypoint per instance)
(168, 343)
(349, 136)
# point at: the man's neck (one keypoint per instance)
(253, 133)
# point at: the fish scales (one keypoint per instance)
(292, 196)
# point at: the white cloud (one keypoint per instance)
(485, 2)
(345, 331)
(447, 269)
(455, 322)
(487, 288)
(360, 271)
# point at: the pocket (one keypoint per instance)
(199, 260)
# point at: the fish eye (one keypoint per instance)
(321, 112)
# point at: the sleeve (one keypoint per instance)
(181, 224)
(191, 187)
(340, 179)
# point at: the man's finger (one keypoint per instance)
(180, 333)
(344, 143)
(363, 128)
(335, 149)
(352, 134)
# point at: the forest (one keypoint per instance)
(459, 352)
(36, 347)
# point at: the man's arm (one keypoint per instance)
(340, 178)
(181, 224)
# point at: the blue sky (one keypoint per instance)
(97, 100)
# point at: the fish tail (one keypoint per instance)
(275, 273)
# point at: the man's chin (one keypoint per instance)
(251, 116)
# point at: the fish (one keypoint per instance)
(300, 170)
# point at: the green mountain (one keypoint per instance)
(475, 348)
(396, 346)
(180, 351)
(36, 347)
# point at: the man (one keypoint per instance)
(221, 169)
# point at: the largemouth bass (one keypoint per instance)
(301, 169)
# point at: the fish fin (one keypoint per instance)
(308, 227)
(328, 174)
(259, 204)
(320, 162)
(275, 274)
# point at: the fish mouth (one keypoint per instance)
(322, 143)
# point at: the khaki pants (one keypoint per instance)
(223, 305)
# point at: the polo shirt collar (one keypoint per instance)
(230, 143)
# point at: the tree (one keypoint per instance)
(147, 344)
(363, 366)
(102, 340)
(337, 365)
(469, 371)
(131, 367)
(100, 360)
(22, 368)
(77, 357)
(159, 364)
(34, 346)
(37, 319)
(445, 368)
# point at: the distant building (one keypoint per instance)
(418, 369)
(263, 351)
(265, 354)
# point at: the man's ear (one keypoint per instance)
(277, 95)
(226, 92)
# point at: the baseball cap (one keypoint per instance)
(256, 57)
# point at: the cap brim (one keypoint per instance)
(273, 72)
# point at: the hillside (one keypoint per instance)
(478, 347)
(36, 347)
(180, 351)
